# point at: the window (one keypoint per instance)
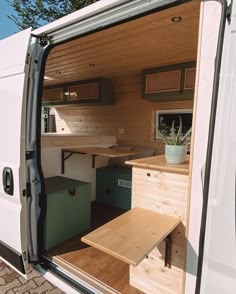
(48, 123)
(165, 118)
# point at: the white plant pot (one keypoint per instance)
(175, 154)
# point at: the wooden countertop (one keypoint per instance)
(159, 163)
(133, 235)
(109, 152)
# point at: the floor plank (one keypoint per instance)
(76, 256)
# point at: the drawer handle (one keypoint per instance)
(148, 174)
(72, 191)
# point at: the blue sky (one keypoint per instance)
(7, 26)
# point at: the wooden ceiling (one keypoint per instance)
(147, 42)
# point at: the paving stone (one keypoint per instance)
(22, 280)
(4, 271)
(2, 281)
(13, 283)
(46, 286)
(39, 280)
(33, 274)
(26, 287)
(11, 276)
(9, 286)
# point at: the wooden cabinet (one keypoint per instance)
(162, 188)
(53, 95)
(87, 92)
(172, 82)
(113, 186)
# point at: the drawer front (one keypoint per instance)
(164, 178)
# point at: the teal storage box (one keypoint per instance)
(113, 186)
(68, 209)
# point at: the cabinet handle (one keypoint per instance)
(148, 174)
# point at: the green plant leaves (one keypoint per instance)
(174, 139)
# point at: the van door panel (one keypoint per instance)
(13, 80)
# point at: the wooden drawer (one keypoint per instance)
(165, 178)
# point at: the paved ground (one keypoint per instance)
(12, 283)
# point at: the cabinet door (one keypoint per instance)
(189, 78)
(83, 92)
(173, 82)
(168, 81)
(53, 96)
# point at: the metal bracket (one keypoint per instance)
(168, 251)
(63, 159)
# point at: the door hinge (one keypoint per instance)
(27, 61)
(44, 40)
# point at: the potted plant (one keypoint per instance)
(176, 143)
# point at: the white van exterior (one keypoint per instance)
(211, 258)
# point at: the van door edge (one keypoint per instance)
(224, 16)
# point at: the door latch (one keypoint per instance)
(8, 181)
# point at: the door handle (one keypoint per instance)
(8, 182)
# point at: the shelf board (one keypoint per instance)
(133, 235)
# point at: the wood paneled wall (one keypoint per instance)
(130, 112)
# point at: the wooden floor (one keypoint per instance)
(105, 272)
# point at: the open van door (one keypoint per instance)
(14, 68)
(216, 266)
(217, 258)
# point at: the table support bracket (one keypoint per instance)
(63, 159)
(168, 251)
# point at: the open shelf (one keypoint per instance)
(133, 235)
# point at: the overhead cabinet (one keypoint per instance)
(87, 92)
(174, 82)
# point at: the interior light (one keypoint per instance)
(176, 19)
(92, 64)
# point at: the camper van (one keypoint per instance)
(90, 195)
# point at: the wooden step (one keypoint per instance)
(133, 235)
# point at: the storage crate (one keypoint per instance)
(68, 209)
(113, 186)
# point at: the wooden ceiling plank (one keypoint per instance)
(150, 46)
(95, 47)
(191, 9)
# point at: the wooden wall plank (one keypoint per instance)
(130, 112)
